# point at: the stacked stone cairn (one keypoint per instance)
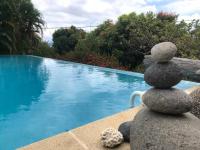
(165, 122)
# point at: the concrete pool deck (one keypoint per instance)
(86, 137)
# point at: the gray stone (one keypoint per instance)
(196, 103)
(189, 67)
(163, 75)
(164, 51)
(169, 101)
(198, 72)
(124, 128)
(156, 131)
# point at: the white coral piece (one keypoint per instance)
(110, 137)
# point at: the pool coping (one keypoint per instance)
(86, 137)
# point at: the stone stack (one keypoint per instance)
(164, 123)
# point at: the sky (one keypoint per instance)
(88, 13)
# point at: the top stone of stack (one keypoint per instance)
(163, 74)
(163, 52)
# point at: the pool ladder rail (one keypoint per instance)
(133, 97)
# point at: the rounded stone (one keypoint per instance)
(110, 138)
(168, 101)
(163, 75)
(195, 94)
(164, 51)
(124, 128)
(156, 131)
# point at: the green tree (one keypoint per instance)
(45, 49)
(7, 38)
(189, 42)
(89, 44)
(133, 36)
(22, 23)
(65, 40)
(29, 27)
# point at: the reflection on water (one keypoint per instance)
(21, 82)
(42, 97)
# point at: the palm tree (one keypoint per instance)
(30, 24)
(20, 25)
(7, 38)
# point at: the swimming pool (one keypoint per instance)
(40, 97)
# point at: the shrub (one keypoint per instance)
(65, 40)
(44, 49)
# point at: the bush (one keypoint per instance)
(92, 58)
(44, 49)
(65, 40)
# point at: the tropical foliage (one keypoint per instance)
(133, 36)
(7, 38)
(44, 49)
(20, 26)
(65, 40)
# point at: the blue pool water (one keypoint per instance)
(41, 97)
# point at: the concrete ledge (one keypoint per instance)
(85, 137)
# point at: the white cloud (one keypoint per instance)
(184, 7)
(97, 6)
(127, 6)
(60, 13)
(188, 18)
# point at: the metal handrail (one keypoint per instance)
(134, 95)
